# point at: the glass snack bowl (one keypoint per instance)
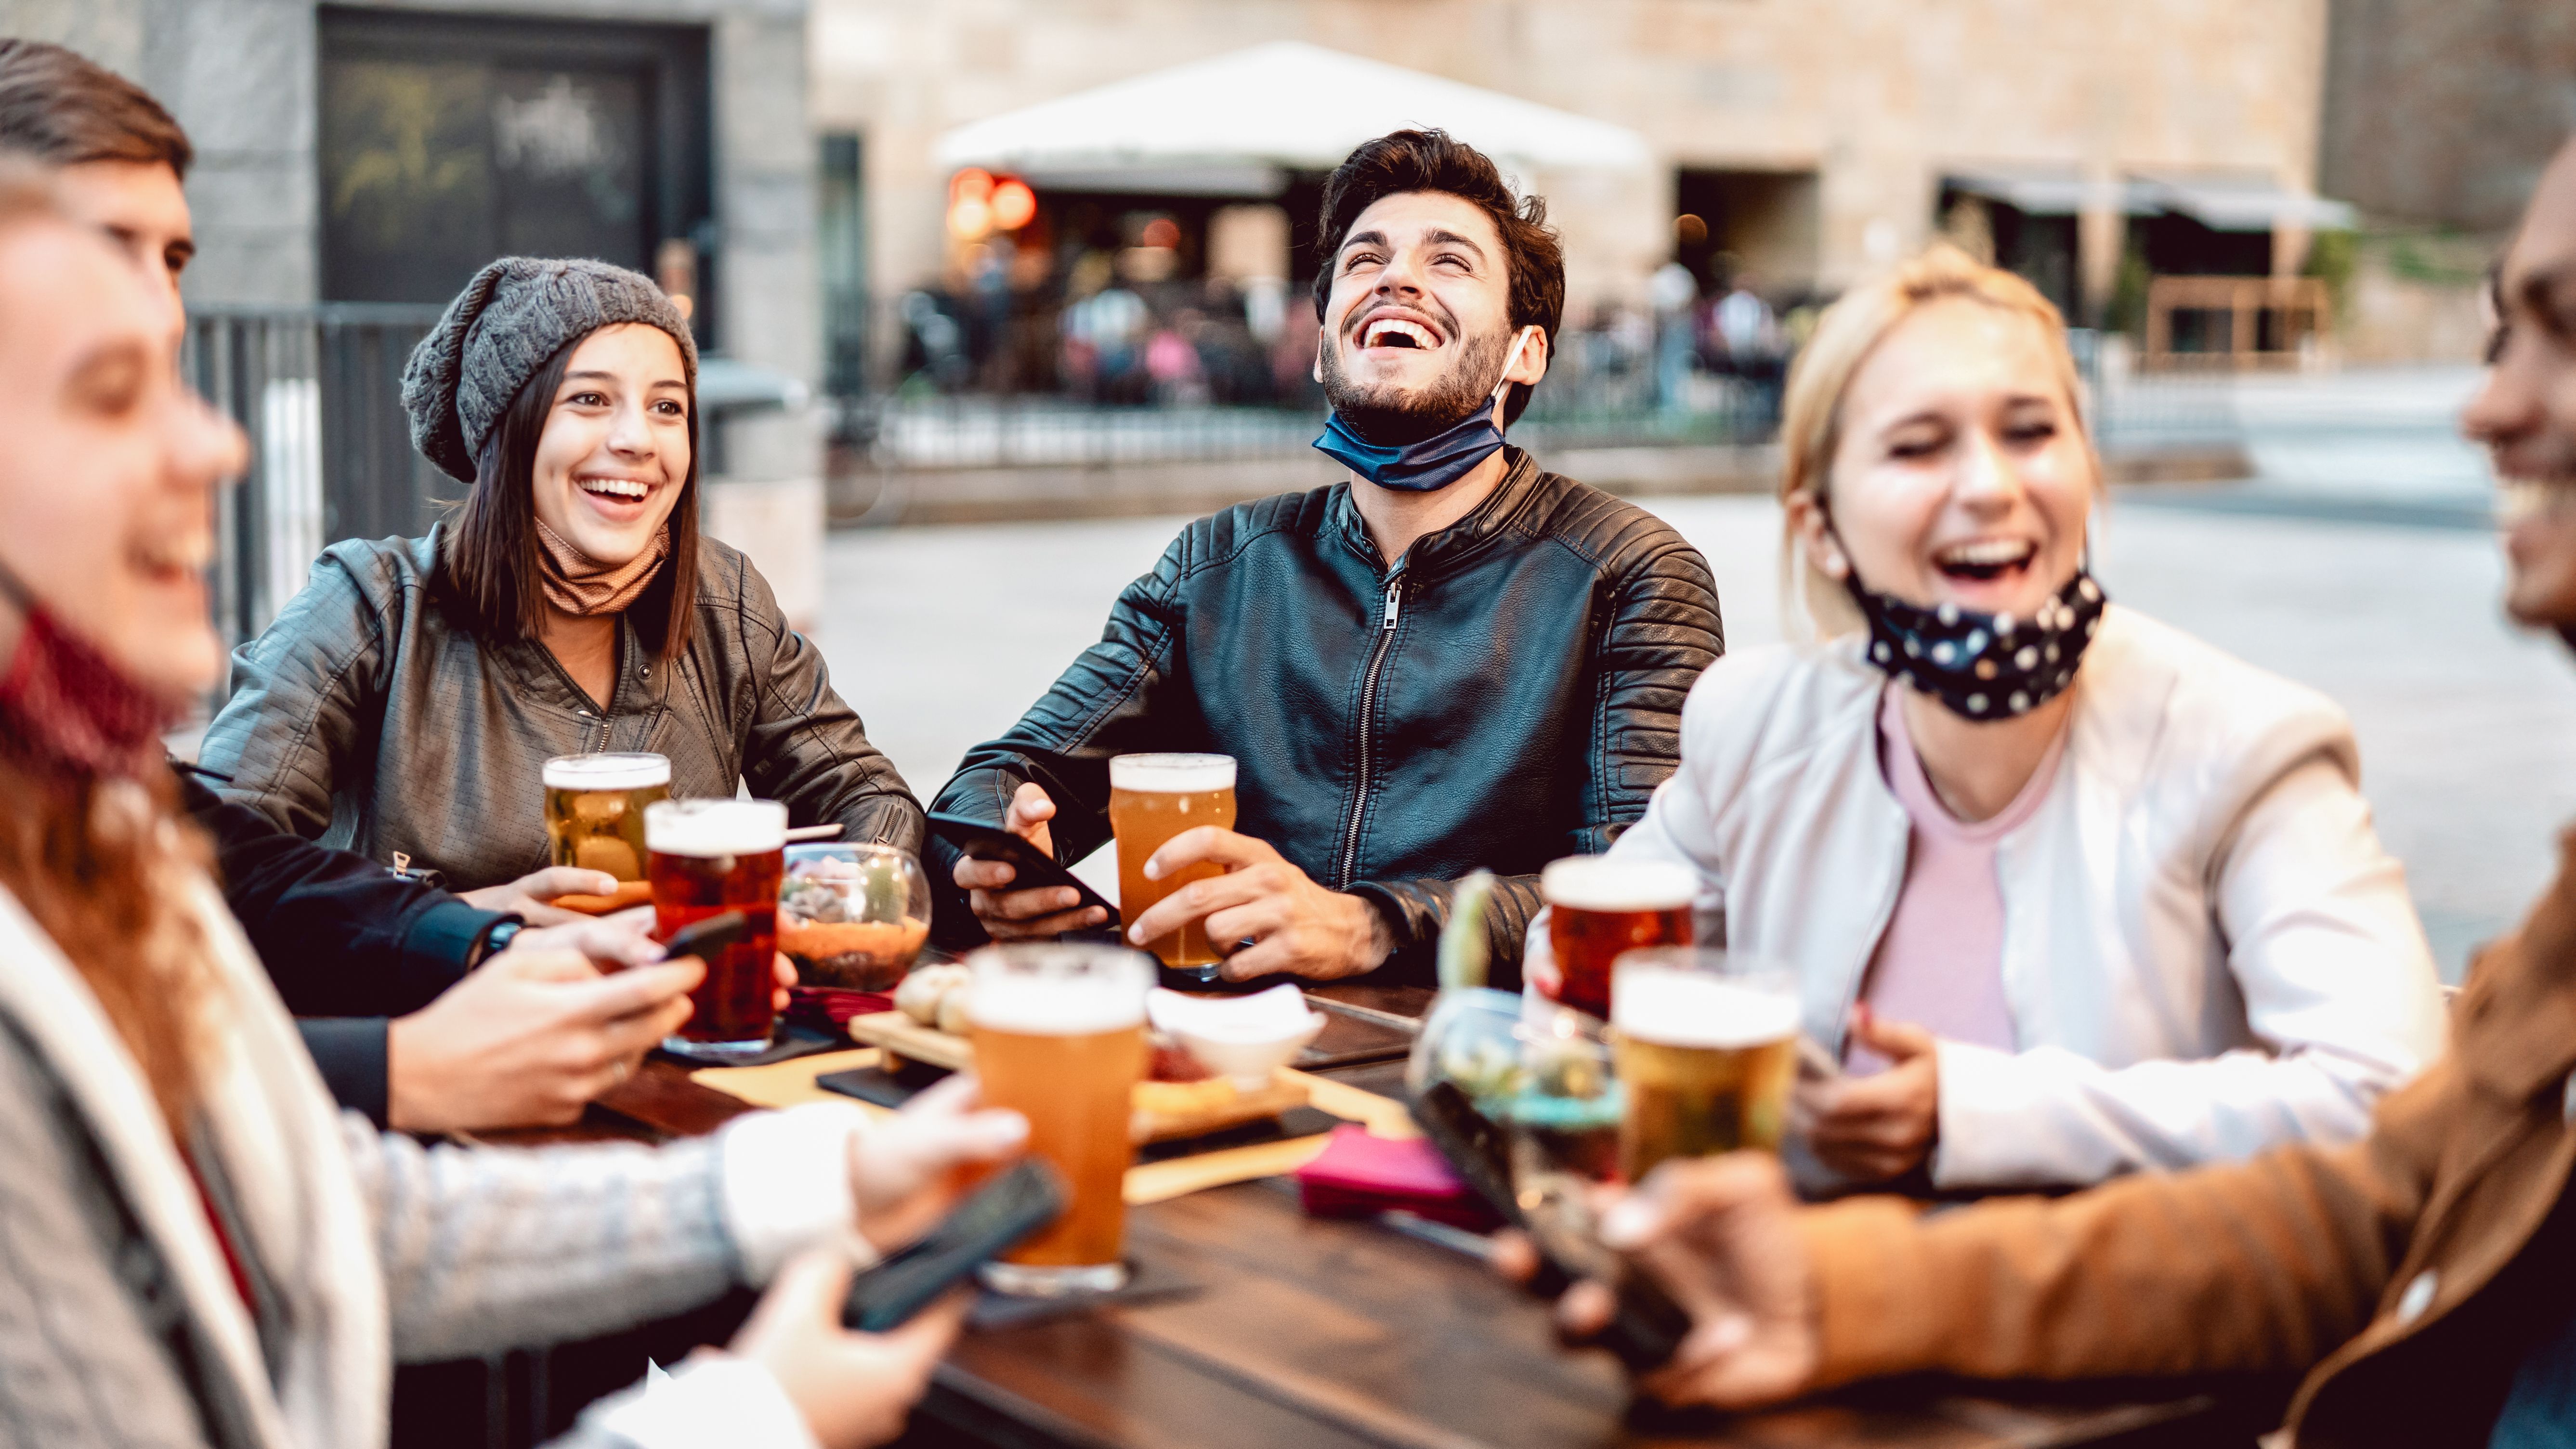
(853, 916)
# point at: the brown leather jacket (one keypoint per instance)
(370, 719)
(2406, 1275)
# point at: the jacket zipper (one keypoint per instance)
(1368, 704)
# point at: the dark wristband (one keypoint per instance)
(496, 939)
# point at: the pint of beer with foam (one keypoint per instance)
(706, 857)
(1059, 1033)
(1708, 1050)
(1601, 907)
(595, 813)
(1151, 799)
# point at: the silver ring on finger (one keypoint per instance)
(618, 1071)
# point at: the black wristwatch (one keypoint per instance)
(496, 939)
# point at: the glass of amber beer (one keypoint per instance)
(1059, 1033)
(1600, 908)
(1151, 799)
(1708, 1049)
(595, 815)
(705, 857)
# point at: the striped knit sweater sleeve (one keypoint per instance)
(491, 1248)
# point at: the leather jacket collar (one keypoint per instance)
(1469, 536)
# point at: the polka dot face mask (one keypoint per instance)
(1983, 666)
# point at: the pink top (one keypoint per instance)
(1940, 965)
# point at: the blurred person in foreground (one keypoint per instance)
(2070, 892)
(2419, 1278)
(1454, 659)
(370, 962)
(199, 1249)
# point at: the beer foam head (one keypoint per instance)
(607, 772)
(1058, 990)
(709, 828)
(1172, 774)
(1602, 883)
(1685, 1008)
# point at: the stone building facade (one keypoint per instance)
(2444, 111)
(248, 78)
(1831, 130)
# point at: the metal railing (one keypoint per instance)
(319, 390)
(1197, 372)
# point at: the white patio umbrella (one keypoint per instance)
(1226, 124)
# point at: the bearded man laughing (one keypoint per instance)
(1452, 659)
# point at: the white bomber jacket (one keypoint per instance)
(2206, 951)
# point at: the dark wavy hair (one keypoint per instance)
(488, 566)
(1401, 161)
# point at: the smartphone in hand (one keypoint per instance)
(1648, 1326)
(1018, 1202)
(1031, 867)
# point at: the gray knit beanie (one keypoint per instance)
(515, 315)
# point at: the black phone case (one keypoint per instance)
(712, 934)
(1022, 1200)
(1648, 1327)
(979, 841)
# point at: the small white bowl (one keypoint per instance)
(1246, 1054)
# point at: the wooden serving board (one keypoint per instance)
(912, 1041)
(1164, 1110)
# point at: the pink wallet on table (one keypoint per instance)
(1357, 1174)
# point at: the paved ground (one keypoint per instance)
(2360, 561)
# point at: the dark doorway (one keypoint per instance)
(2181, 246)
(2037, 246)
(448, 140)
(1759, 225)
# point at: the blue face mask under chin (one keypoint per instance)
(1431, 464)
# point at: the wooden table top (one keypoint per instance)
(1321, 1333)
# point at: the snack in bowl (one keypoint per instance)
(1243, 1039)
(853, 916)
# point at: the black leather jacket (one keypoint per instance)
(369, 718)
(348, 943)
(1510, 692)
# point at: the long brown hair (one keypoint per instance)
(488, 567)
(100, 864)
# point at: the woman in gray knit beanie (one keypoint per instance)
(407, 700)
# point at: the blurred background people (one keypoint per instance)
(2417, 1280)
(189, 1220)
(414, 690)
(1495, 650)
(2070, 892)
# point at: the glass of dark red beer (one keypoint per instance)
(703, 858)
(1600, 908)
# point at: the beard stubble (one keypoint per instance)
(1391, 417)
